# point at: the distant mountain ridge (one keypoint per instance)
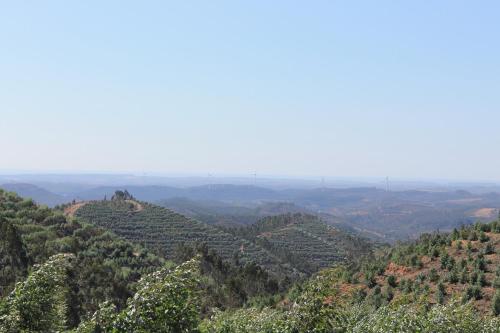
(383, 215)
(38, 194)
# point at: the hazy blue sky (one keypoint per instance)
(327, 88)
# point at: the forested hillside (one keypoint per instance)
(102, 268)
(163, 230)
(75, 277)
(438, 267)
(439, 283)
(288, 245)
(105, 267)
(304, 240)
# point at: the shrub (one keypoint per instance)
(496, 303)
(166, 301)
(40, 303)
(433, 275)
(391, 280)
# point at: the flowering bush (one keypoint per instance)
(39, 304)
(403, 318)
(166, 301)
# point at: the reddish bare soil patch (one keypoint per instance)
(485, 213)
(397, 270)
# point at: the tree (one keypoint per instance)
(13, 258)
(433, 275)
(39, 304)
(166, 302)
(483, 238)
(496, 303)
(440, 293)
(391, 280)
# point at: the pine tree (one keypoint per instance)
(441, 293)
(496, 303)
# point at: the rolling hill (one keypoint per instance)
(304, 240)
(161, 228)
(383, 215)
(222, 213)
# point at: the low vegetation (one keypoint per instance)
(61, 275)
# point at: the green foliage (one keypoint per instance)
(391, 281)
(472, 292)
(100, 275)
(105, 267)
(248, 321)
(40, 303)
(495, 304)
(451, 318)
(167, 301)
(13, 258)
(433, 275)
(229, 285)
(482, 237)
(440, 293)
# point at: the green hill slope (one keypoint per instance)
(290, 245)
(162, 229)
(437, 268)
(304, 240)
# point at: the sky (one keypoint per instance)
(317, 88)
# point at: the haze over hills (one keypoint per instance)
(37, 193)
(373, 212)
(223, 213)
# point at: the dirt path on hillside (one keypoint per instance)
(137, 206)
(71, 210)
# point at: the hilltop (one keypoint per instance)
(160, 228)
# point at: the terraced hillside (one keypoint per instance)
(160, 228)
(304, 240)
(463, 264)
